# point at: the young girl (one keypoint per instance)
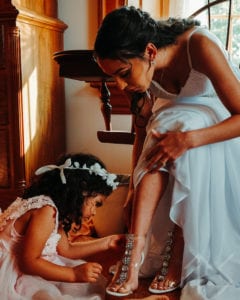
(36, 260)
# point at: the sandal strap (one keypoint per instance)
(166, 258)
(126, 260)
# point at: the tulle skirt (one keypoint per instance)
(17, 286)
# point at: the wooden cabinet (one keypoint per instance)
(32, 106)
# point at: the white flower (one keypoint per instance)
(98, 170)
(76, 164)
(94, 169)
(110, 180)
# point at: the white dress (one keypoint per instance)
(203, 194)
(18, 286)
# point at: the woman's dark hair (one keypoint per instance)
(69, 197)
(126, 31)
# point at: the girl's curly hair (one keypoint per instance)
(69, 197)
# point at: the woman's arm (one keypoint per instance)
(209, 59)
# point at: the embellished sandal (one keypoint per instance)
(121, 269)
(161, 276)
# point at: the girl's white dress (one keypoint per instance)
(203, 195)
(18, 286)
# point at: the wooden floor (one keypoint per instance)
(108, 258)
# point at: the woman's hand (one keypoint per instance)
(87, 272)
(167, 149)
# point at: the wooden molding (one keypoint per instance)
(33, 18)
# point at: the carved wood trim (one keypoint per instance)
(119, 101)
(15, 114)
(29, 17)
(11, 154)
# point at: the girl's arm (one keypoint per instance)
(39, 228)
(209, 59)
(87, 248)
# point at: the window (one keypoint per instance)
(224, 21)
(222, 17)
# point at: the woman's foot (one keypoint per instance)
(169, 276)
(125, 280)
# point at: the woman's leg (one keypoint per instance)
(146, 199)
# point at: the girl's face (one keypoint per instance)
(133, 75)
(90, 205)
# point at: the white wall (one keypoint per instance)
(83, 115)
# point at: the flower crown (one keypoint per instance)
(93, 169)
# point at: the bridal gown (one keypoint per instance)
(203, 193)
(18, 286)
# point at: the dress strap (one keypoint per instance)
(188, 43)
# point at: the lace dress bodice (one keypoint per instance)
(18, 208)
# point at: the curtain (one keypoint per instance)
(184, 8)
(164, 8)
(105, 6)
(167, 8)
(157, 8)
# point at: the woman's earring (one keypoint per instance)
(153, 62)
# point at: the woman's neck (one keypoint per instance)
(172, 69)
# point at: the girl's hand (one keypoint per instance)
(168, 148)
(87, 272)
(115, 241)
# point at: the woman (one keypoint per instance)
(182, 81)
